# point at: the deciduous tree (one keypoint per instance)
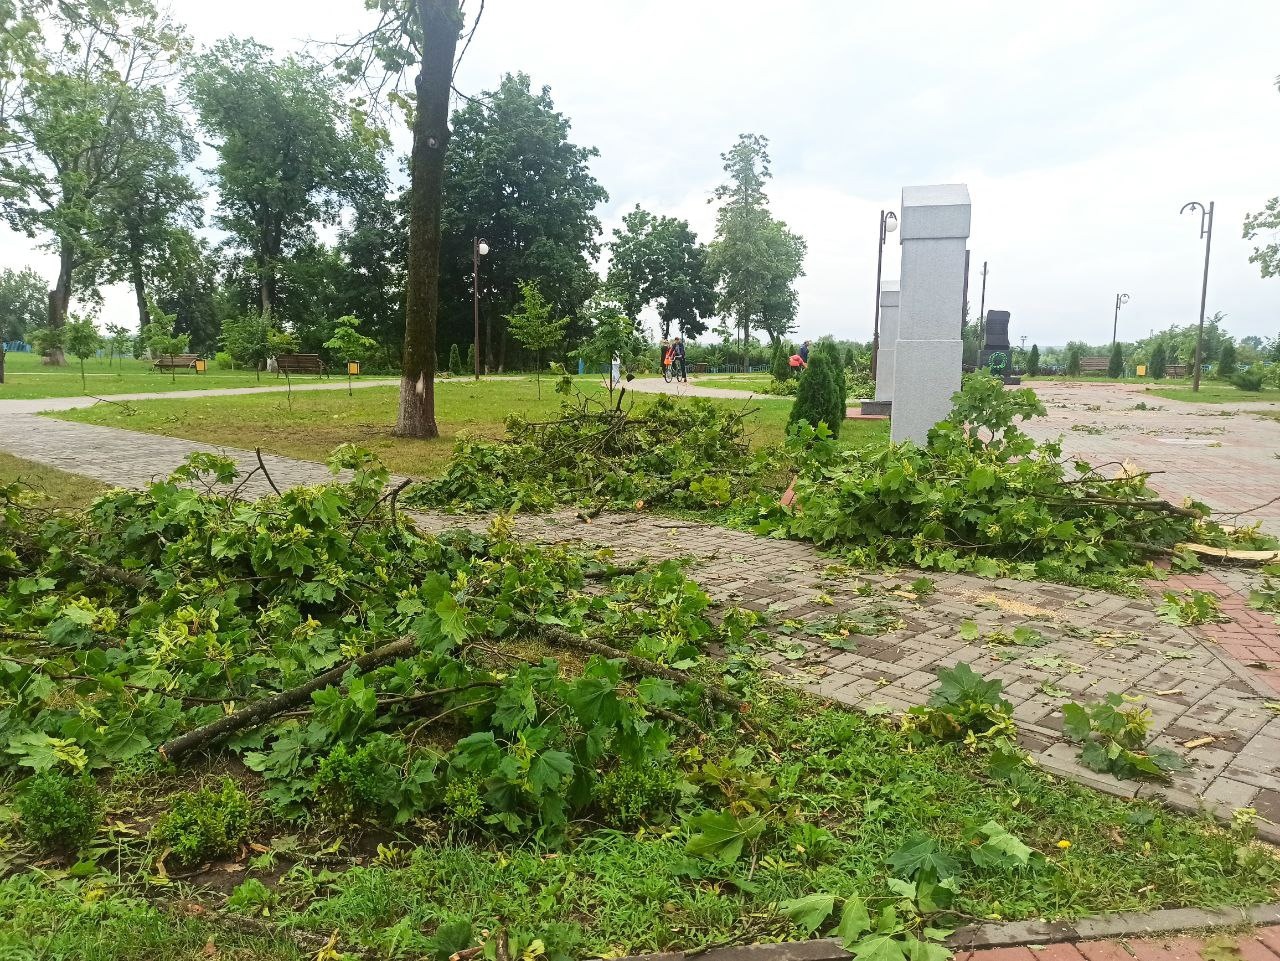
(533, 326)
(516, 179)
(73, 104)
(290, 151)
(754, 257)
(83, 340)
(658, 261)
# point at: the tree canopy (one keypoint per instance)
(657, 261)
(514, 178)
(290, 151)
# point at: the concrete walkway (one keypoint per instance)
(1261, 944)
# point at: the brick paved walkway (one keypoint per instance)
(1261, 944)
(1094, 643)
(1222, 454)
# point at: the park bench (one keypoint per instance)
(1175, 370)
(300, 364)
(176, 361)
(697, 368)
(1094, 365)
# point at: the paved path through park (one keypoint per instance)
(867, 640)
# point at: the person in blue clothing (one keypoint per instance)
(677, 348)
(804, 353)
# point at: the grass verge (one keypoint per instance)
(313, 423)
(61, 489)
(1217, 393)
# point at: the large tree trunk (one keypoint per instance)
(139, 282)
(440, 22)
(60, 300)
(489, 365)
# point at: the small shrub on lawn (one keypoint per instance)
(820, 397)
(202, 825)
(224, 361)
(635, 794)
(59, 812)
(1248, 380)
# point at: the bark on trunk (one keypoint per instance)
(60, 301)
(488, 344)
(439, 20)
(139, 287)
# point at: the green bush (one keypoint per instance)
(224, 360)
(471, 359)
(820, 397)
(1073, 361)
(635, 794)
(362, 784)
(1115, 366)
(1158, 362)
(1250, 380)
(835, 358)
(205, 824)
(1033, 360)
(58, 812)
(1227, 360)
(455, 360)
(780, 368)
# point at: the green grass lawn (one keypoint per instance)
(1215, 392)
(25, 378)
(315, 422)
(58, 488)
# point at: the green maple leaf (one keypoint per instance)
(880, 947)
(810, 911)
(453, 619)
(720, 836)
(854, 921)
(921, 852)
(548, 770)
(1001, 849)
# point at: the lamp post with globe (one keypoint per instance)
(888, 224)
(478, 249)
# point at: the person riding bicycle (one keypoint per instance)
(677, 350)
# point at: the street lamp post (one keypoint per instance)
(1206, 231)
(888, 224)
(982, 311)
(1121, 300)
(478, 249)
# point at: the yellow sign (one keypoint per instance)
(201, 364)
(353, 367)
(1142, 370)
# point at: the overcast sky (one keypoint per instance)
(1081, 129)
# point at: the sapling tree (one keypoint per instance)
(533, 326)
(1033, 360)
(349, 344)
(160, 338)
(283, 342)
(83, 339)
(247, 340)
(119, 339)
(1115, 365)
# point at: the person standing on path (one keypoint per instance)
(677, 348)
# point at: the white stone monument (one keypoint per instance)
(888, 340)
(927, 356)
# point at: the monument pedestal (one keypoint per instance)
(929, 352)
(877, 408)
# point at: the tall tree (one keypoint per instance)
(290, 151)
(69, 116)
(658, 261)
(150, 211)
(422, 34)
(754, 257)
(24, 302)
(515, 179)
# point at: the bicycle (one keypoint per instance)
(669, 371)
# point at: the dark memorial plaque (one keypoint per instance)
(996, 355)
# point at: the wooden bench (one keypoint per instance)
(176, 361)
(300, 364)
(1094, 365)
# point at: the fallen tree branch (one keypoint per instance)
(568, 639)
(265, 472)
(264, 710)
